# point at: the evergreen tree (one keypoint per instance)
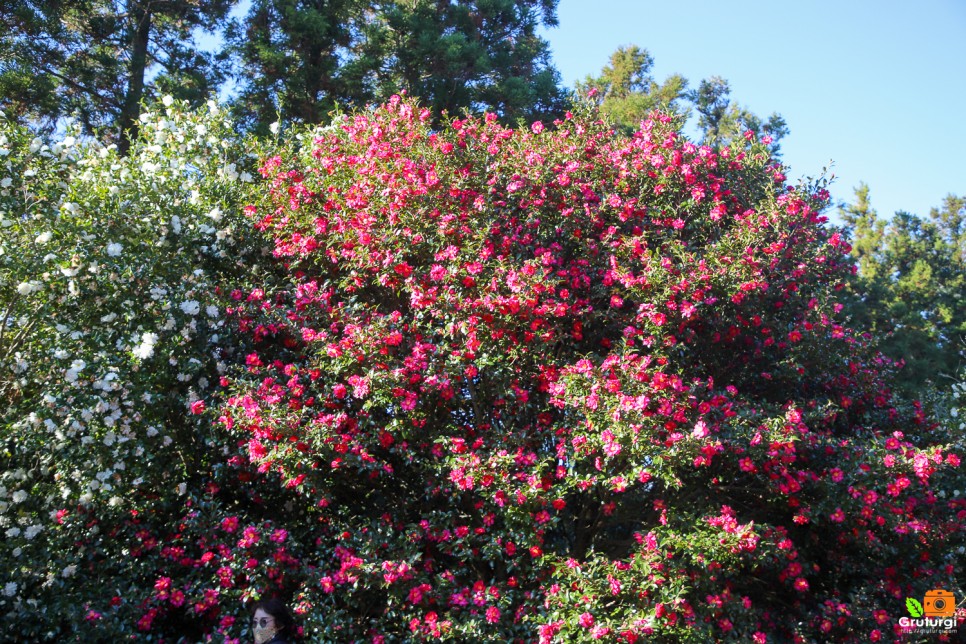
(300, 57)
(722, 121)
(473, 53)
(97, 60)
(626, 91)
(909, 287)
(868, 231)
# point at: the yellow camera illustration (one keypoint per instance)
(939, 603)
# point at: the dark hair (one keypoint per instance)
(277, 609)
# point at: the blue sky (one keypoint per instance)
(877, 87)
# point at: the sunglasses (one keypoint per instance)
(263, 622)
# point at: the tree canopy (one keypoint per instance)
(96, 60)
(627, 93)
(300, 59)
(910, 286)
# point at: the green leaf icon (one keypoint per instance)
(914, 607)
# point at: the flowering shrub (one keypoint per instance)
(110, 332)
(483, 384)
(555, 384)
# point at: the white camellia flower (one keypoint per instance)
(216, 214)
(75, 368)
(114, 249)
(26, 288)
(43, 238)
(10, 589)
(212, 311)
(167, 100)
(146, 348)
(191, 307)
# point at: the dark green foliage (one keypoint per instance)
(910, 285)
(298, 59)
(478, 54)
(96, 60)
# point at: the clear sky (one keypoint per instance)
(876, 87)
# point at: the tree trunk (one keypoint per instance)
(141, 15)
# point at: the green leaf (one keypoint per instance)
(914, 607)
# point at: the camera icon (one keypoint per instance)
(939, 603)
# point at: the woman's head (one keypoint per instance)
(271, 617)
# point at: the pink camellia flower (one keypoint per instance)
(586, 620)
(198, 407)
(279, 536)
(700, 430)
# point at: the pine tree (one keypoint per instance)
(95, 61)
(723, 121)
(626, 91)
(299, 58)
(909, 287)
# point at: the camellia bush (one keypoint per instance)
(111, 332)
(557, 384)
(466, 383)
